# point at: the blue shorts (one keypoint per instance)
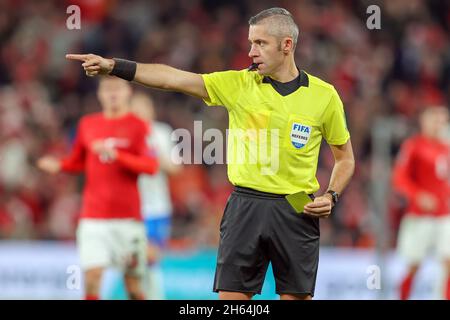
(158, 230)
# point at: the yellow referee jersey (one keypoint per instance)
(273, 141)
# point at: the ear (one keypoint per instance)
(287, 45)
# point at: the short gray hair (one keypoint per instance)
(282, 23)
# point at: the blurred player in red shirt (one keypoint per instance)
(110, 148)
(422, 176)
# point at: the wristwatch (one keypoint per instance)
(334, 196)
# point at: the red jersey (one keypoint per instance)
(110, 190)
(423, 165)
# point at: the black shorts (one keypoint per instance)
(258, 228)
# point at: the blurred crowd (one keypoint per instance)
(390, 72)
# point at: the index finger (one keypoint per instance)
(79, 57)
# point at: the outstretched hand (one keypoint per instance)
(93, 64)
(49, 164)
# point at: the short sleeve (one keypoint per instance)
(334, 125)
(224, 88)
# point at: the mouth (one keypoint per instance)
(254, 66)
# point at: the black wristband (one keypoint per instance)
(124, 69)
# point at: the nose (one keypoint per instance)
(253, 52)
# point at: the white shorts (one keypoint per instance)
(120, 243)
(419, 236)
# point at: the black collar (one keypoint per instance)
(286, 88)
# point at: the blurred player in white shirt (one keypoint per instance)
(154, 191)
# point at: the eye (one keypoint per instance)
(260, 43)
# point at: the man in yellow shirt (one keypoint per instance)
(278, 116)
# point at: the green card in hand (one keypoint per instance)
(298, 200)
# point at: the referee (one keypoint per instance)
(297, 110)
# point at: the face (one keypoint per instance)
(142, 107)
(114, 94)
(434, 121)
(266, 50)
